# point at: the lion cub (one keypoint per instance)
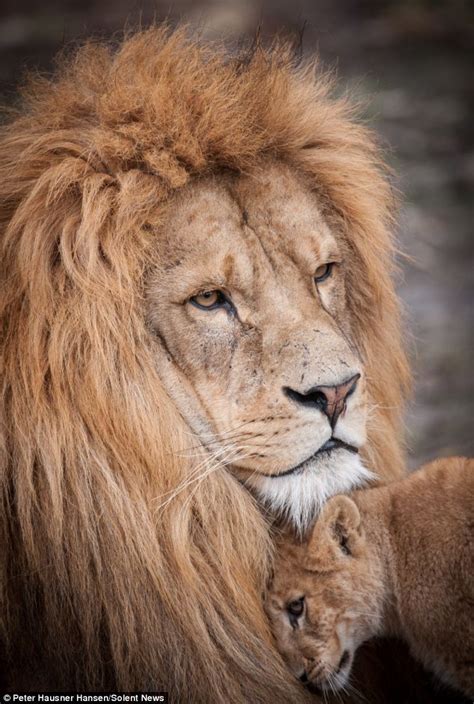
(395, 560)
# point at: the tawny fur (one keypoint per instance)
(392, 561)
(99, 584)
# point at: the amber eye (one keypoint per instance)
(209, 299)
(295, 607)
(323, 272)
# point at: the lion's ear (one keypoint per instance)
(335, 535)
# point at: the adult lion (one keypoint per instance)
(196, 298)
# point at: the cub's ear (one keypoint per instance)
(334, 536)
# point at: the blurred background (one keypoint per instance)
(411, 61)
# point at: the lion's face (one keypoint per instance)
(247, 293)
(325, 598)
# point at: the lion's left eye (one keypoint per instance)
(323, 272)
(209, 300)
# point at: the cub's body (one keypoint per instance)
(394, 560)
(428, 546)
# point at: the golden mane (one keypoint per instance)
(99, 584)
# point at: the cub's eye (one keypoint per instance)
(295, 607)
(209, 300)
(323, 272)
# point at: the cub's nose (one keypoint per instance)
(331, 400)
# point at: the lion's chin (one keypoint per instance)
(299, 497)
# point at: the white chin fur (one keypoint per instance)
(299, 497)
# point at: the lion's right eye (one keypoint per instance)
(295, 607)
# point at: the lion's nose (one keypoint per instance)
(331, 400)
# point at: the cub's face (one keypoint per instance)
(325, 598)
(247, 292)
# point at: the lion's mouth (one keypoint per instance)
(328, 447)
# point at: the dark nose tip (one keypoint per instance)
(303, 678)
(331, 400)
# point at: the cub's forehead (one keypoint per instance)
(288, 563)
(240, 218)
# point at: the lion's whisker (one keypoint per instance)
(197, 476)
(200, 479)
(189, 479)
(223, 433)
(218, 442)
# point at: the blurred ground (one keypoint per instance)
(414, 58)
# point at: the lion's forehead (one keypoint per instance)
(245, 231)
